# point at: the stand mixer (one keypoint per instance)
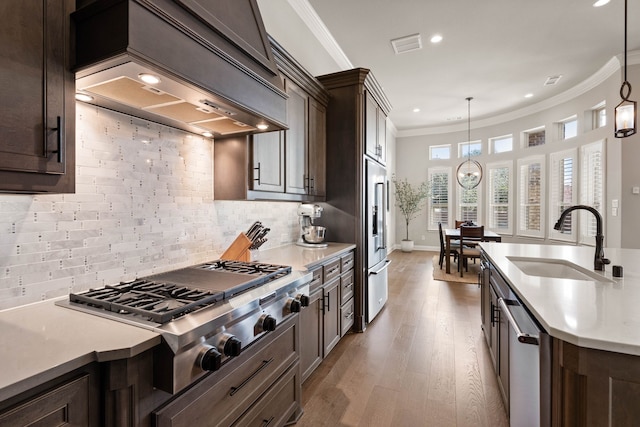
(312, 236)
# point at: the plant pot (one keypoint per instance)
(406, 245)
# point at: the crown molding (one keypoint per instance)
(311, 19)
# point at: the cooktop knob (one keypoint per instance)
(304, 300)
(211, 359)
(230, 346)
(293, 305)
(267, 323)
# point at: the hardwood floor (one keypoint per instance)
(422, 361)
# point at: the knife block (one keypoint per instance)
(239, 249)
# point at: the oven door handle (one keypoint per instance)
(525, 337)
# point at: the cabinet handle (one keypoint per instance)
(327, 305)
(266, 423)
(60, 148)
(349, 316)
(495, 314)
(257, 169)
(234, 390)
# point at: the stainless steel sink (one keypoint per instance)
(556, 268)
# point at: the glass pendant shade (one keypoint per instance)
(626, 116)
(469, 174)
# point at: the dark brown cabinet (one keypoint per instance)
(329, 315)
(37, 137)
(594, 387)
(283, 165)
(72, 399)
(376, 130)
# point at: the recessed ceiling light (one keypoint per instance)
(207, 134)
(436, 38)
(416, 110)
(599, 3)
(151, 79)
(262, 126)
(84, 97)
(529, 95)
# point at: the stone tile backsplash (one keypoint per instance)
(143, 204)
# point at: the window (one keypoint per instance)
(599, 115)
(438, 203)
(531, 196)
(563, 189)
(501, 144)
(534, 137)
(474, 148)
(439, 152)
(469, 204)
(499, 204)
(591, 188)
(569, 128)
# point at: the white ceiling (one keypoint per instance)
(495, 51)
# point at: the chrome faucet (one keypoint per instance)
(599, 260)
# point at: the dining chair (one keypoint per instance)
(459, 223)
(453, 247)
(470, 236)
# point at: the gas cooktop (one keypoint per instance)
(163, 297)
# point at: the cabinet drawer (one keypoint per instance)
(346, 262)
(331, 270)
(346, 287)
(64, 405)
(346, 317)
(316, 281)
(225, 395)
(278, 405)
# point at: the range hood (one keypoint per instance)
(212, 61)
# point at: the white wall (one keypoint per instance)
(622, 171)
(143, 204)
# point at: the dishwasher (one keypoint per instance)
(529, 355)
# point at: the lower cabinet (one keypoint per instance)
(594, 387)
(330, 314)
(71, 400)
(67, 404)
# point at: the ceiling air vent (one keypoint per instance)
(552, 80)
(407, 44)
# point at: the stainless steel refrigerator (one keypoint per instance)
(376, 243)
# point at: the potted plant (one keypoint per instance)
(409, 199)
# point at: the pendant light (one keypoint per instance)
(469, 172)
(626, 113)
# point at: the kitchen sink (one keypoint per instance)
(556, 268)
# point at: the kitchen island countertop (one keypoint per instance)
(41, 341)
(594, 314)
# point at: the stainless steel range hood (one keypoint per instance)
(212, 58)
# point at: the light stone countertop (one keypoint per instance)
(301, 258)
(41, 341)
(592, 314)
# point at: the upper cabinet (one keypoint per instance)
(37, 137)
(283, 165)
(376, 130)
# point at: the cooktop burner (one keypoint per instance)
(156, 301)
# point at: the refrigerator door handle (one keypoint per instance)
(379, 221)
(381, 269)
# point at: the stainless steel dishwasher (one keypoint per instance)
(528, 355)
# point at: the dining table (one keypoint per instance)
(454, 234)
